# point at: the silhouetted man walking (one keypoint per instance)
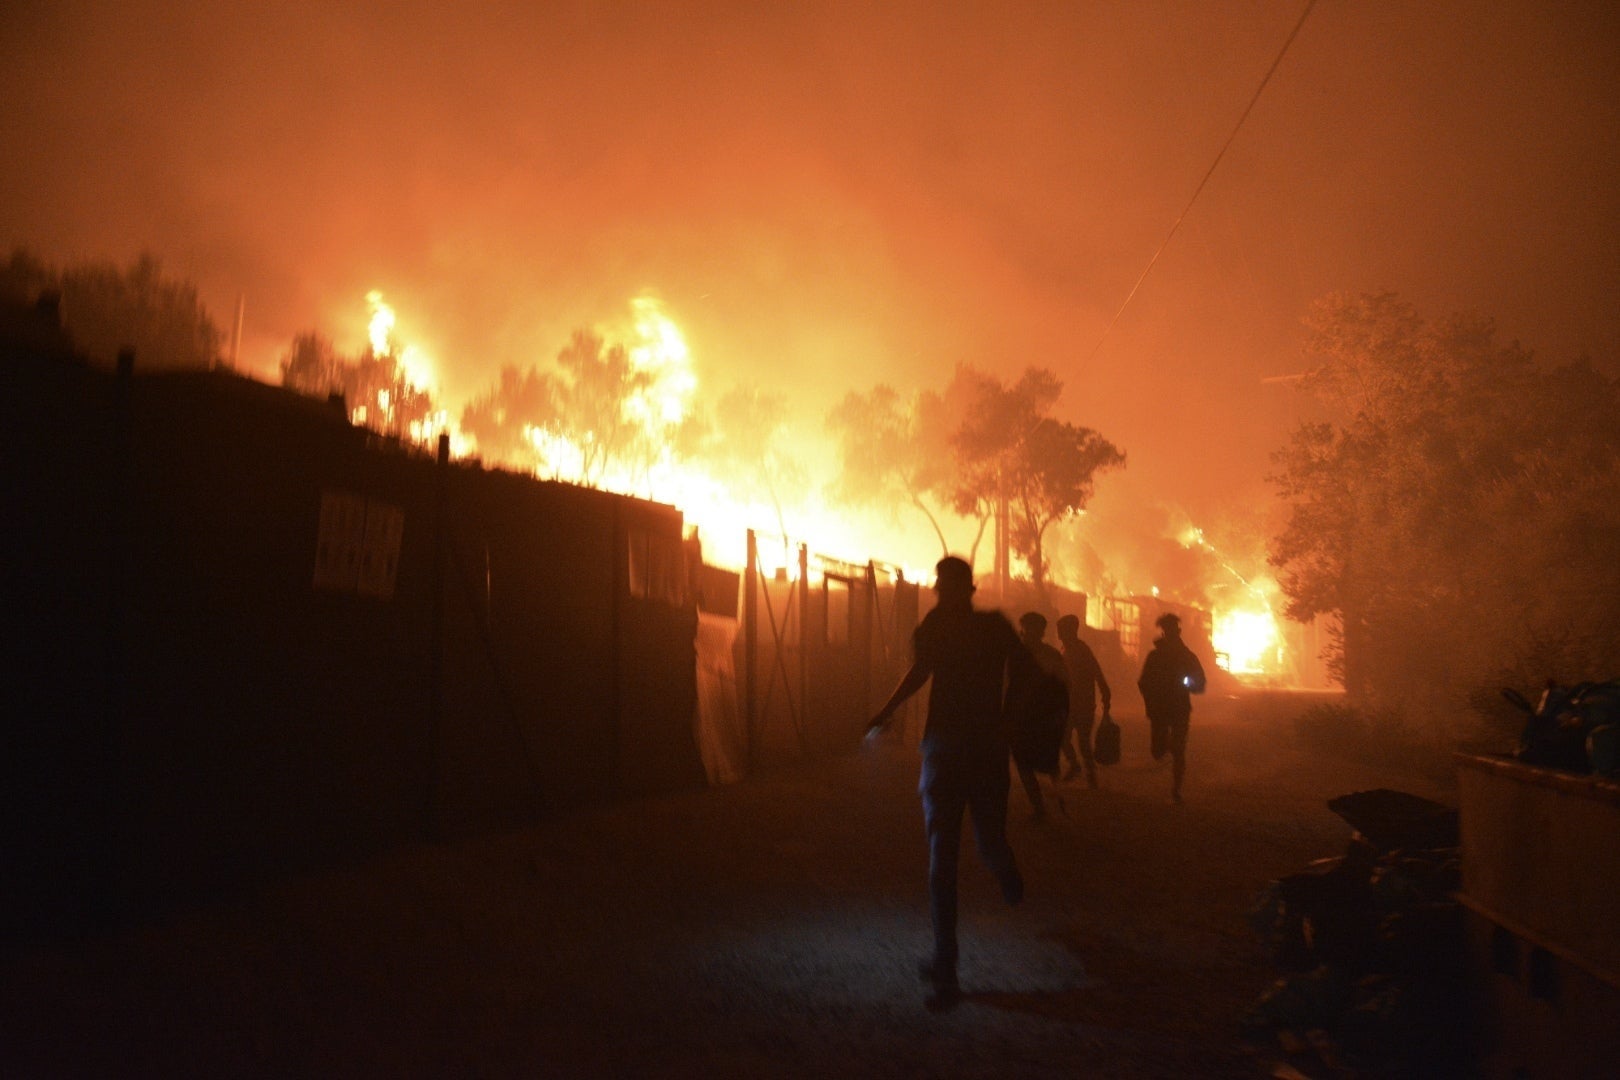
(964, 750)
(1032, 633)
(1170, 675)
(1086, 678)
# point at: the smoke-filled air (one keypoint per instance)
(1297, 313)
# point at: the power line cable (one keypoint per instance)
(1208, 173)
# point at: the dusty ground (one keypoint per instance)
(769, 928)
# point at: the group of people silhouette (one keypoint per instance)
(985, 677)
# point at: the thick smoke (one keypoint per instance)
(829, 198)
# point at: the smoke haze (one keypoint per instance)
(826, 197)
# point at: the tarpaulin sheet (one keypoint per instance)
(721, 737)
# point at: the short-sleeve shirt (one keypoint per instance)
(966, 652)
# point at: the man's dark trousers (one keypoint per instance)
(954, 780)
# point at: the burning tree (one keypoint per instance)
(313, 367)
(376, 386)
(601, 417)
(1462, 513)
(593, 416)
(501, 419)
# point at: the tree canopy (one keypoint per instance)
(501, 418)
(106, 309)
(1011, 451)
(896, 450)
(976, 446)
(374, 386)
(587, 418)
(744, 442)
(1460, 513)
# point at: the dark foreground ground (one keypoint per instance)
(770, 928)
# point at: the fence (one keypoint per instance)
(822, 643)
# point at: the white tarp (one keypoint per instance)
(721, 738)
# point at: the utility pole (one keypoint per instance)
(751, 587)
(236, 336)
(1003, 568)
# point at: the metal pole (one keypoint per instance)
(1003, 549)
(236, 337)
(804, 641)
(621, 590)
(868, 622)
(751, 649)
(441, 478)
(113, 880)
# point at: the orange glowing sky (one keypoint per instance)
(826, 197)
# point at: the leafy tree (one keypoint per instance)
(597, 381)
(894, 450)
(745, 442)
(1011, 453)
(375, 387)
(972, 486)
(591, 419)
(1053, 478)
(501, 418)
(312, 366)
(25, 276)
(1434, 513)
(106, 309)
(979, 447)
(393, 403)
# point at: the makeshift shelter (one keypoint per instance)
(250, 638)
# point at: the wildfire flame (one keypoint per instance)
(1244, 625)
(416, 365)
(381, 327)
(1245, 628)
(661, 351)
(1249, 639)
(417, 370)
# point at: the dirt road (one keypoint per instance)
(769, 928)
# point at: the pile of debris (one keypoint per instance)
(1373, 945)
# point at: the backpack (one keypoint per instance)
(1105, 746)
(1040, 720)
